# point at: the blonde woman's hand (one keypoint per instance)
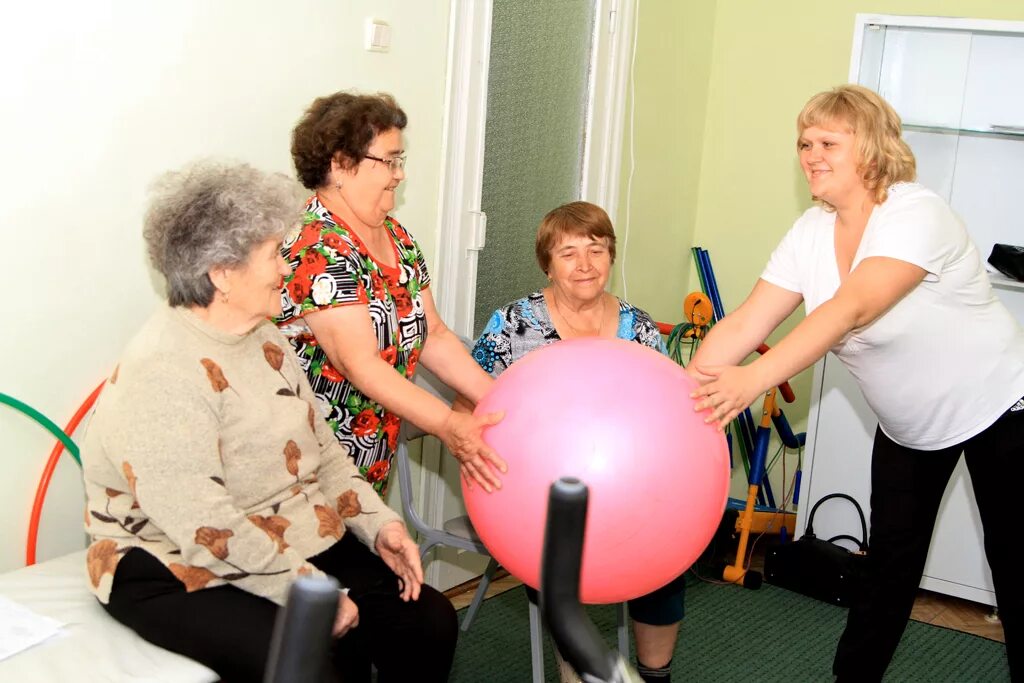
(462, 434)
(730, 389)
(402, 555)
(697, 376)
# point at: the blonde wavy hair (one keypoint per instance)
(884, 158)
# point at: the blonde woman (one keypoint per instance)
(894, 287)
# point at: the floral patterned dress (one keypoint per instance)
(524, 325)
(332, 267)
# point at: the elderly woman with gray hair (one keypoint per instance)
(211, 479)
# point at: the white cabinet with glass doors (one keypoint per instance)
(958, 85)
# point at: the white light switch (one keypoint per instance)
(378, 35)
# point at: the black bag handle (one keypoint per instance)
(848, 537)
(863, 544)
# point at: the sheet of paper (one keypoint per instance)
(21, 628)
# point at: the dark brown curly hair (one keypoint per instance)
(343, 123)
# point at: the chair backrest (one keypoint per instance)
(429, 535)
(430, 382)
(427, 380)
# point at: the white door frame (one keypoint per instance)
(613, 50)
(461, 223)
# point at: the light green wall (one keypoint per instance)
(766, 64)
(727, 99)
(672, 67)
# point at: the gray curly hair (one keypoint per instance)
(213, 214)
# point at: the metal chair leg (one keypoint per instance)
(536, 644)
(622, 628)
(478, 597)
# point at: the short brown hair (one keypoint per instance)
(573, 219)
(883, 155)
(344, 123)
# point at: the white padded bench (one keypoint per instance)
(92, 647)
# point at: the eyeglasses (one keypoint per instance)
(394, 164)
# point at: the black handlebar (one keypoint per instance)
(573, 632)
(299, 649)
(300, 646)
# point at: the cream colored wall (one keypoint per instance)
(766, 60)
(99, 97)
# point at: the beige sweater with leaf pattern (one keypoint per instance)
(208, 452)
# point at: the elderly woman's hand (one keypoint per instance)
(347, 617)
(729, 390)
(462, 434)
(402, 555)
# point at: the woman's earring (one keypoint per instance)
(224, 297)
(337, 186)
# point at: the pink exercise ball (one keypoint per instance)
(618, 416)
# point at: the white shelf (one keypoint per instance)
(1002, 282)
(995, 130)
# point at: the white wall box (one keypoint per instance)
(958, 85)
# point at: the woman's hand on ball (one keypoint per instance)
(699, 377)
(462, 434)
(729, 390)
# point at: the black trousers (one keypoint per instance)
(229, 630)
(906, 489)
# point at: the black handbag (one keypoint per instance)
(818, 568)
(1008, 260)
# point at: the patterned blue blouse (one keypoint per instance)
(524, 325)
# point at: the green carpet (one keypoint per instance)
(733, 634)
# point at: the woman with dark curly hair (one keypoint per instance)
(211, 483)
(358, 308)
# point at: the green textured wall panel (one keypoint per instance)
(536, 111)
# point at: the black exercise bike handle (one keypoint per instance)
(301, 642)
(573, 632)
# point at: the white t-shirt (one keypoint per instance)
(948, 359)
